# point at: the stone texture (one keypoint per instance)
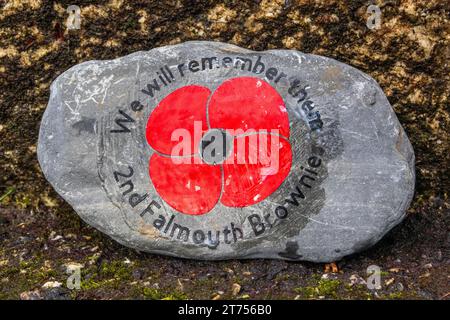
(360, 190)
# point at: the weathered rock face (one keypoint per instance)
(209, 151)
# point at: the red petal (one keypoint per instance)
(190, 188)
(178, 110)
(248, 103)
(254, 180)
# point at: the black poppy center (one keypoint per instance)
(215, 146)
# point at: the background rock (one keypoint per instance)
(363, 162)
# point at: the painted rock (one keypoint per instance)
(209, 151)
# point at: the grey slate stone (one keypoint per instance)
(363, 187)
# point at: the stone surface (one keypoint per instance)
(345, 175)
